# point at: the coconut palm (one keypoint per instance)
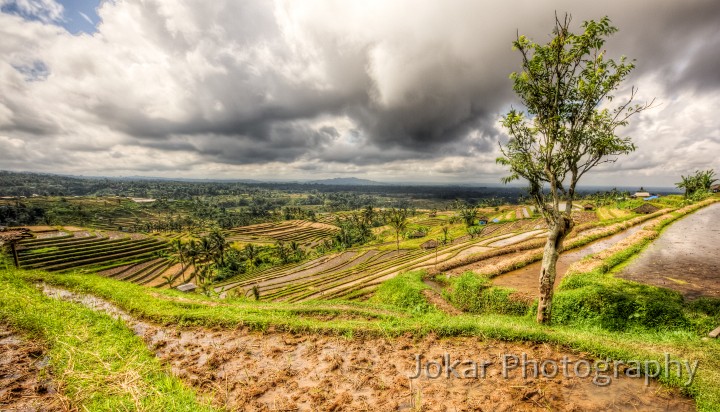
(397, 219)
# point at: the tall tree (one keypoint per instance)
(566, 86)
(397, 219)
(179, 252)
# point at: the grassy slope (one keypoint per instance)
(172, 308)
(97, 360)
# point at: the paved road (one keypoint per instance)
(686, 257)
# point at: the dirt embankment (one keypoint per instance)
(273, 371)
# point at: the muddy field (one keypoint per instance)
(525, 280)
(685, 257)
(276, 371)
(25, 384)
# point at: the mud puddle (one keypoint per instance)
(275, 371)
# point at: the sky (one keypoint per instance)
(393, 91)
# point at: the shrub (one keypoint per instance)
(616, 304)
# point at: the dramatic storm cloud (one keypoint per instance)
(388, 90)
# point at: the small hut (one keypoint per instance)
(646, 209)
(483, 220)
(588, 206)
(430, 244)
(640, 194)
(715, 188)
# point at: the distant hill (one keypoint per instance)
(347, 181)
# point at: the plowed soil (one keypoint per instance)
(274, 371)
(25, 384)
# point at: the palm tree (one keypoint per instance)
(281, 251)
(296, 250)
(179, 250)
(468, 214)
(251, 254)
(193, 253)
(397, 219)
(368, 215)
(207, 249)
(219, 244)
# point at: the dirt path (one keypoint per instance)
(251, 371)
(525, 279)
(24, 384)
(685, 257)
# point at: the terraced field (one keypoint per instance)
(302, 231)
(361, 270)
(131, 257)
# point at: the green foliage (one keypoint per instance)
(565, 85)
(398, 220)
(704, 313)
(615, 304)
(404, 291)
(72, 332)
(369, 318)
(475, 294)
(468, 214)
(355, 228)
(697, 186)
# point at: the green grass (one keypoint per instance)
(472, 293)
(42, 250)
(100, 364)
(404, 291)
(380, 319)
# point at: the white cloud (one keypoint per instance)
(405, 89)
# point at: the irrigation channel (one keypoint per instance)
(684, 258)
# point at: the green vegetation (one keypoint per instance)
(697, 186)
(274, 273)
(405, 292)
(565, 133)
(377, 318)
(98, 361)
(599, 298)
(475, 294)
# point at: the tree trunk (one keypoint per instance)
(15, 255)
(548, 270)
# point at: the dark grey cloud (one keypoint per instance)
(307, 83)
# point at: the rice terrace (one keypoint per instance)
(533, 225)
